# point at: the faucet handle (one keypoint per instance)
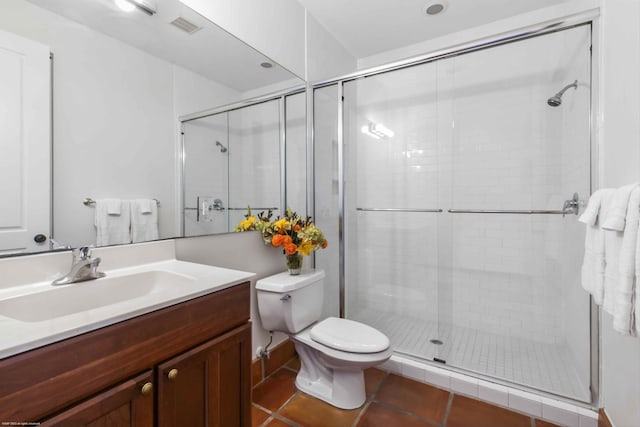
(82, 253)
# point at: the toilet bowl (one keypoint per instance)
(333, 352)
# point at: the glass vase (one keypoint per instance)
(294, 263)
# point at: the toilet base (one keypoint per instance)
(340, 387)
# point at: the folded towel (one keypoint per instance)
(590, 214)
(144, 220)
(618, 208)
(593, 266)
(112, 229)
(623, 307)
(113, 206)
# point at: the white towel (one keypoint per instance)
(112, 229)
(590, 214)
(593, 266)
(623, 307)
(144, 220)
(617, 211)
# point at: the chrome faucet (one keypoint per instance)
(83, 267)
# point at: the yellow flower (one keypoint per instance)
(282, 224)
(247, 223)
(305, 248)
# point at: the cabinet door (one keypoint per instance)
(209, 385)
(129, 404)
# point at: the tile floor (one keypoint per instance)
(548, 367)
(391, 401)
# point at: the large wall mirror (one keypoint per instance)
(98, 103)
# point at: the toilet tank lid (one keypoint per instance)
(285, 282)
(349, 336)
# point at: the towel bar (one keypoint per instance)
(397, 210)
(88, 201)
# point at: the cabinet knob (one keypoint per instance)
(172, 374)
(146, 389)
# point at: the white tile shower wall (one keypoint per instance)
(509, 151)
(254, 159)
(205, 174)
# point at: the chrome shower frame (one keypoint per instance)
(587, 17)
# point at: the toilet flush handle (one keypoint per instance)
(286, 297)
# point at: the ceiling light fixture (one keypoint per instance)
(147, 6)
(435, 7)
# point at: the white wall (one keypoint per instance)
(620, 164)
(275, 27)
(326, 57)
(115, 119)
(240, 251)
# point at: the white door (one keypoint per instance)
(25, 145)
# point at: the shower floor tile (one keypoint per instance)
(544, 366)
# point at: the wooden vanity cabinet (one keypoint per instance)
(188, 364)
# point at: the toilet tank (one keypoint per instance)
(289, 303)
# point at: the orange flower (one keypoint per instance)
(325, 243)
(290, 249)
(277, 240)
(286, 240)
(296, 228)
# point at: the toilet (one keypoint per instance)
(333, 352)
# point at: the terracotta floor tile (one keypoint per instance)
(274, 422)
(541, 423)
(372, 379)
(274, 391)
(294, 364)
(411, 396)
(379, 416)
(467, 412)
(258, 416)
(311, 412)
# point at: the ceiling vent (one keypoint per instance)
(185, 25)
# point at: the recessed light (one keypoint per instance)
(266, 64)
(435, 7)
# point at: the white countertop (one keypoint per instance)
(37, 314)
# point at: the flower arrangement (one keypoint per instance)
(295, 235)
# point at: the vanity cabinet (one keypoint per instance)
(187, 364)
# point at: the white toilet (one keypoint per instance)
(333, 352)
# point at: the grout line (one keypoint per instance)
(405, 412)
(362, 411)
(262, 408)
(447, 411)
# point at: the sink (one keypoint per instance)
(84, 296)
(39, 313)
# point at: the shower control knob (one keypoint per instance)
(40, 238)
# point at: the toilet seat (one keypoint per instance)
(349, 336)
(304, 337)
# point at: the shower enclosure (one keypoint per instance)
(233, 157)
(450, 185)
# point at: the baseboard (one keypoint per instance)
(278, 356)
(603, 419)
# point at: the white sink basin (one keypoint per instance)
(59, 301)
(40, 313)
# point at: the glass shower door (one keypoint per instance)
(393, 206)
(518, 312)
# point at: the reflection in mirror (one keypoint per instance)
(234, 160)
(103, 112)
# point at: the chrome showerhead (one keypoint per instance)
(223, 149)
(556, 99)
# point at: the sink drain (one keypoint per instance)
(436, 342)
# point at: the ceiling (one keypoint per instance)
(210, 51)
(367, 27)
